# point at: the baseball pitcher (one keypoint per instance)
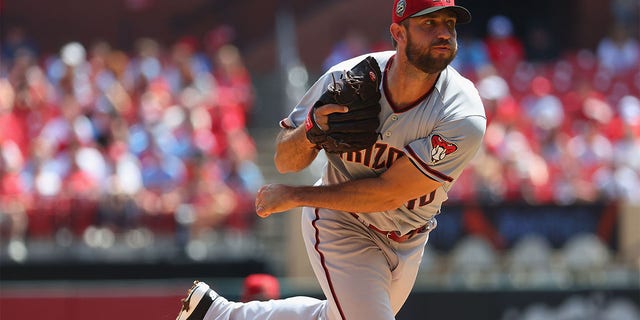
(398, 128)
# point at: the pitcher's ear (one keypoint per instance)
(398, 32)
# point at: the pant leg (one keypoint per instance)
(350, 265)
(294, 308)
(404, 275)
(403, 260)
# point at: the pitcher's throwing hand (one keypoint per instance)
(271, 199)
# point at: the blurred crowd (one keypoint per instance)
(97, 137)
(563, 127)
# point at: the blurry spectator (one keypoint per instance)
(16, 42)
(69, 72)
(495, 93)
(185, 65)
(490, 180)
(543, 107)
(622, 179)
(161, 173)
(114, 90)
(472, 55)
(352, 45)
(97, 56)
(627, 13)
(591, 150)
(629, 110)
(145, 65)
(505, 49)
(260, 287)
(217, 37)
(82, 187)
(13, 117)
(520, 164)
(87, 173)
(619, 52)
(117, 206)
(234, 88)
(14, 200)
(212, 200)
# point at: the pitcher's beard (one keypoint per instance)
(423, 60)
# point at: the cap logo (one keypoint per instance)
(400, 7)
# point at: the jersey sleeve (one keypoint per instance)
(445, 153)
(300, 111)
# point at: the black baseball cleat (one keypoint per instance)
(199, 299)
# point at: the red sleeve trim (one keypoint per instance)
(284, 125)
(426, 167)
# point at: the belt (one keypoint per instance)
(395, 235)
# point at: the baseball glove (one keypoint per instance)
(359, 90)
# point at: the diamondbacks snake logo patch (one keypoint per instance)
(441, 148)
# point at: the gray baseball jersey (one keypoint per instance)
(440, 134)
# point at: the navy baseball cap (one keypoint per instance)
(403, 9)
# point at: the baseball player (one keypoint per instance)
(366, 222)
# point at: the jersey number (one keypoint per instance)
(422, 201)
